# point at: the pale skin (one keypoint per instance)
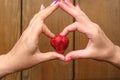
(99, 46)
(26, 52)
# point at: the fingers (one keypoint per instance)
(49, 10)
(49, 56)
(69, 3)
(77, 55)
(75, 27)
(42, 7)
(40, 16)
(47, 32)
(69, 29)
(74, 11)
(67, 7)
(45, 12)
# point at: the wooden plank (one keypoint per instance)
(106, 13)
(9, 28)
(53, 70)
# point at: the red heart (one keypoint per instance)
(60, 43)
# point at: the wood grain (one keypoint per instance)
(9, 28)
(106, 13)
(53, 70)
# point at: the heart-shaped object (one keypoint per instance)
(60, 43)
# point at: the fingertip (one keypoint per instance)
(55, 2)
(42, 7)
(79, 54)
(60, 56)
(62, 59)
(47, 32)
(61, 3)
(78, 6)
(53, 55)
(68, 59)
(52, 35)
(71, 55)
(63, 34)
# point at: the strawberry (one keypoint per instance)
(60, 43)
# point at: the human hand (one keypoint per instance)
(99, 47)
(26, 52)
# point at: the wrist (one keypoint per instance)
(115, 60)
(4, 67)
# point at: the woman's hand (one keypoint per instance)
(99, 46)
(26, 52)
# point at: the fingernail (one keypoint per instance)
(68, 59)
(54, 2)
(42, 7)
(62, 59)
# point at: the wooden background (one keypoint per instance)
(15, 16)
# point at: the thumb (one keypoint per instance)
(77, 55)
(49, 56)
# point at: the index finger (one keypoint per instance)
(75, 27)
(69, 29)
(48, 11)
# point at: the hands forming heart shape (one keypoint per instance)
(27, 52)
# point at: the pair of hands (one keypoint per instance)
(26, 52)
